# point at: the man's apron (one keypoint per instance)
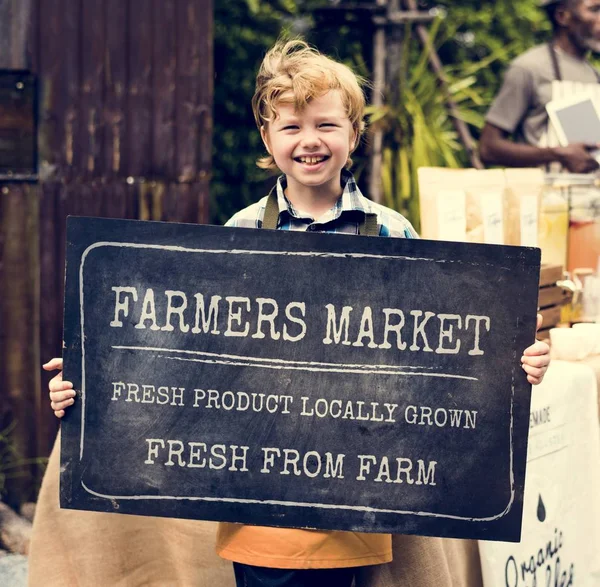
(562, 89)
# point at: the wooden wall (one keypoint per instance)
(125, 131)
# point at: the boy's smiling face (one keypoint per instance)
(312, 146)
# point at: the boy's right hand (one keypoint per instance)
(61, 392)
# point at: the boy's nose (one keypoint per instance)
(310, 139)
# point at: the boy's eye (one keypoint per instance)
(328, 124)
(290, 127)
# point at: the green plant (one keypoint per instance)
(418, 130)
(12, 464)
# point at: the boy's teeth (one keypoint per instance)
(311, 160)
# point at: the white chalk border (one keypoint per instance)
(275, 502)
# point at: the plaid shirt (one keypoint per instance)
(345, 216)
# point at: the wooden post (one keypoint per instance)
(377, 100)
(19, 326)
(394, 53)
(461, 128)
(19, 279)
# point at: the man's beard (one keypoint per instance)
(586, 42)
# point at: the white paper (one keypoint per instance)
(529, 221)
(493, 218)
(452, 215)
(560, 538)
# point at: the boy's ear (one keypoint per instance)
(354, 141)
(265, 138)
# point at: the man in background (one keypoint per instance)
(534, 79)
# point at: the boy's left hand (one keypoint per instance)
(536, 358)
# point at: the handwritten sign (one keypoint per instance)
(492, 212)
(452, 215)
(529, 220)
(297, 380)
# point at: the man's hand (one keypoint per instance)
(61, 392)
(536, 358)
(577, 158)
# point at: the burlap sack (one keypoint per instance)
(72, 548)
(440, 192)
(421, 561)
(443, 192)
(560, 540)
(523, 186)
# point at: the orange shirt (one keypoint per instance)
(289, 548)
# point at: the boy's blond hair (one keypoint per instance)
(292, 72)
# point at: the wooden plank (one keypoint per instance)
(91, 194)
(18, 334)
(59, 66)
(553, 296)
(115, 88)
(550, 274)
(131, 201)
(5, 36)
(139, 109)
(170, 201)
(51, 130)
(205, 43)
(72, 40)
(203, 199)
(14, 21)
(164, 55)
(181, 203)
(90, 140)
(33, 37)
(50, 334)
(119, 200)
(70, 201)
(550, 316)
(189, 79)
(188, 202)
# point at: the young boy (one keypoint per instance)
(309, 110)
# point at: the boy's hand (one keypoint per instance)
(61, 392)
(536, 358)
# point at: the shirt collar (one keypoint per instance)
(351, 200)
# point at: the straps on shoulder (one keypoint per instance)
(271, 211)
(554, 61)
(368, 226)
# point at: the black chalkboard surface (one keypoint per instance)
(297, 380)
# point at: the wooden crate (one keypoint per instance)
(551, 298)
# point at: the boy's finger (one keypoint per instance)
(57, 377)
(540, 320)
(62, 405)
(59, 385)
(536, 360)
(59, 413)
(533, 371)
(59, 396)
(52, 364)
(537, 348)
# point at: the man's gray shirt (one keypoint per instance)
(520, 106)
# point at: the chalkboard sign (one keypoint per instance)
(297, 380)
